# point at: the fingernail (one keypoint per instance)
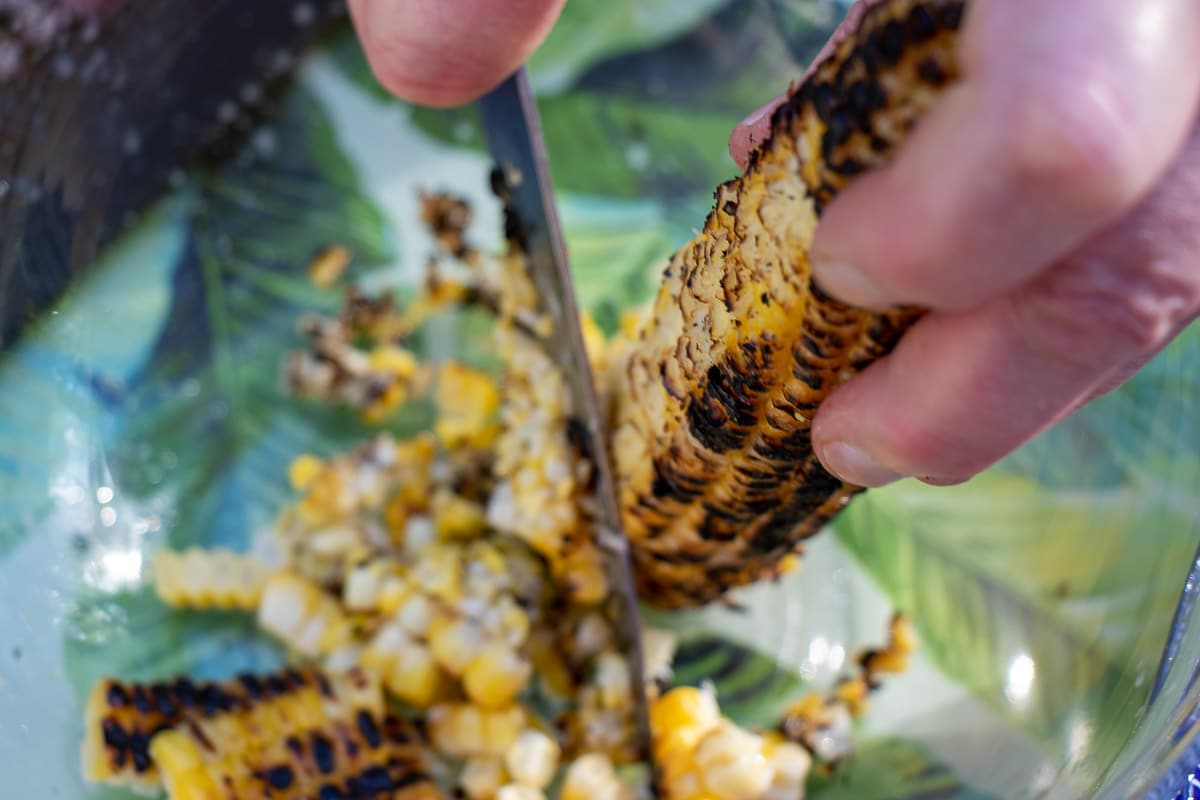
(848, 284)
(853, 465)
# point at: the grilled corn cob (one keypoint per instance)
(203, 579)
(329, 741)
(717, 477)
(123, 719)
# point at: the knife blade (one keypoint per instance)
(513, 131)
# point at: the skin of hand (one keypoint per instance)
(1047, 213)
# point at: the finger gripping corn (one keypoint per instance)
(714, 407)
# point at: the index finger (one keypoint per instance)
(449, 52)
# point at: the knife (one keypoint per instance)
(514, 136)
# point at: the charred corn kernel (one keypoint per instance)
(303, 470)
(613, 681)
(468, 401)
(583, 576)
(495, 676)
(548, 664)
(902, 636)
(455, 642)
(593, 777)
(789, 764)
(515, 791)
(214, 578)
(532, 759)
(456, 517)
(731, 763)
(890, 661)
(714, 407)
(481, 778)
(300, 614)
(461, 730)
(328, 265)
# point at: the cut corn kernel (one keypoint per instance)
(301, 615)
(532, 759)
(481, 778)
(495, 676)
(462, 730)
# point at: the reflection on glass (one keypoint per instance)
(1020, 679)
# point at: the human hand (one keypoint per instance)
(1047, 213)
(449, 52)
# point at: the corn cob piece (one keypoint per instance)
(209, 579)
(328, 742)
(716, 473)
(122, 719)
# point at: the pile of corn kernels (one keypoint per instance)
(459, 566)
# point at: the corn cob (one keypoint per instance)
(209, 579)
(327, 744)
(121, 720)
(717, 477)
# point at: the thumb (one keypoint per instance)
(449, 52)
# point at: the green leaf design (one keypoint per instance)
(620, 132)
(211, 400)
(589, 31)
(890, 769)
(1051, 605)
(751, 687)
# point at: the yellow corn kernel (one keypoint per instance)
(592, 777)
(462, 730)
(467, 402)
(363, 585)
(439, 572)
(853, 693)
(685, 707)
(731, 763)
(515, 791)
(902, 635)
(394, 592)
(507, 620)
(300, 614)
(583, 577)
(456, 517)
(303, 470)
(548, 663)
(455, 642)
(393, 360)
(613, 681)
(533, 759)
(789, 764)
(495, 676)
(481, 778)
(807, 707)
(328, 265)
(890, 661)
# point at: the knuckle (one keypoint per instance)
(1091, 316)
(1069, 139)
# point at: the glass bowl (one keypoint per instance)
(167, 171)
